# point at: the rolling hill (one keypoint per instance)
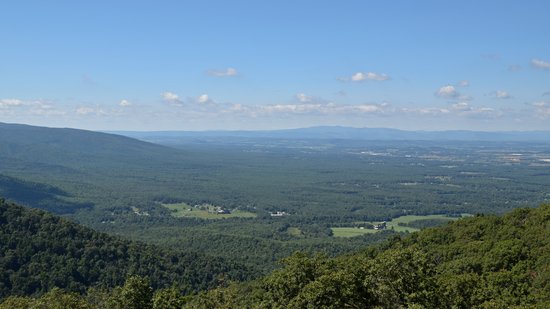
(121, 186)
(74, 167)
(479, 262)
(39, 251)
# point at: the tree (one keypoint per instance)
(136, 293)
(169, 298)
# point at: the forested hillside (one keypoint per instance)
(40, 251)
(481, 262)
(131, 188)
(77, 167)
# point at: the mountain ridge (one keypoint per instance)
(340, 132)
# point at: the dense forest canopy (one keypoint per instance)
(121, 186)
(40, 251)
(479, 262)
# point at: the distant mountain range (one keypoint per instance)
(337, 132)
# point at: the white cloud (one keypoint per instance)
(291, 108)
(34, 107)
(463, 83)
(448, 91)
(169, 96)
(465, 109)
(5, 103)
(540, 64)
(87, 110)
(238, 107)
(229, 72)
(367, 108)
(484, 110)
(321, 108)
(461, 106)
(430, 111)
(125, 103)
(84, 110)
(190, 103)
(203, 98)
(45, 109)
(303, 98)
(542, 109)
(361, 76)
(501, 94)
(461, 109)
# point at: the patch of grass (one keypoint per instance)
(409, 219)
(350, 231)
(205, 211)
(391, 225)
(294, 231)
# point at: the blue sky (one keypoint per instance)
(209, 65)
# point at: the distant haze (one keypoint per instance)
(329, 132)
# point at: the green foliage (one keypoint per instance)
(135, 294)
(205, 212)
(169, 298)
(425, 223)
(54, 299)
(481, 262)
(116, 185)
(39, 195)
(39, 251)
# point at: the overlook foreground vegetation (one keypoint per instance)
(479, 262)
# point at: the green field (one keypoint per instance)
(351, 231)
(205, 211)
(294, 231)
(393, 225)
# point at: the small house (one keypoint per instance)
(380, 226)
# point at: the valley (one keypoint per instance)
(248, 203)
(144, 191)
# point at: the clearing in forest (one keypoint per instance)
(206, 211)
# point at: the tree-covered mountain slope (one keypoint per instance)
(117, 185)
(78, 166)
(40, 251)
(39, 195)
(480, 262)
(64, 144)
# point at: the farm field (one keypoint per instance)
(351, 231)
(205, 211)
(403, 224)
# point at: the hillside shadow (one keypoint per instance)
(38, 195)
